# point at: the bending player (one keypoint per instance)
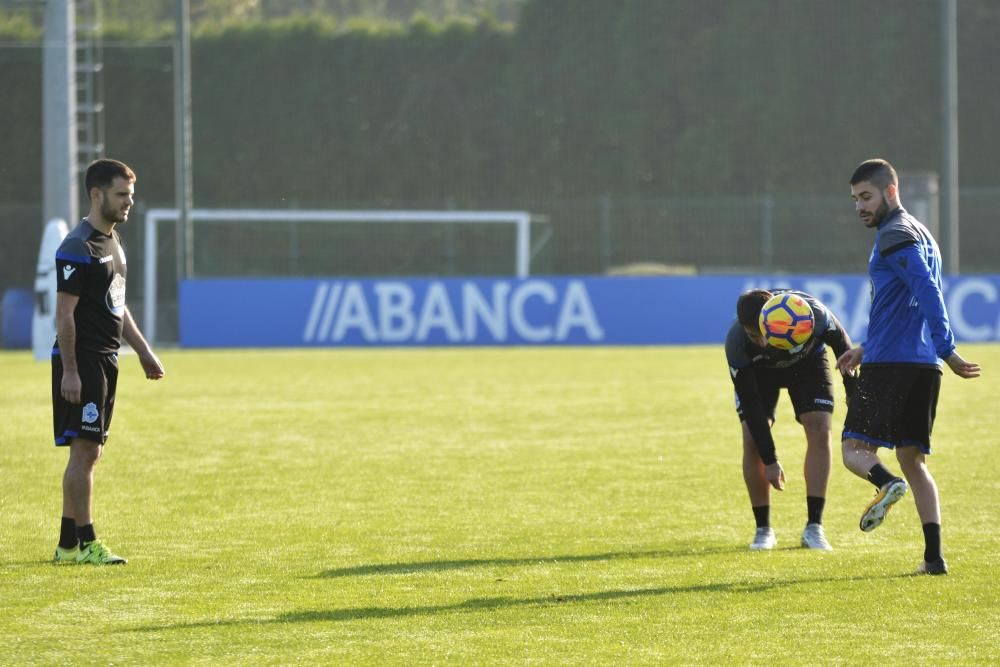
(759, 371)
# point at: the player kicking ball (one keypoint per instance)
(908, 338)
(779, 341)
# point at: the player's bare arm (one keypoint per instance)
(150, 362)
(961, 367)
(66, 335)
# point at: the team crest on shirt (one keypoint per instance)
(90, 413)
(116, 295)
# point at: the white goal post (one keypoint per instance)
(520, 219)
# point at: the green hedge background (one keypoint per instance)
(583, 97)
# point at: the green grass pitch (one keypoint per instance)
(471, 506)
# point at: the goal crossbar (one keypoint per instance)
(520, 219)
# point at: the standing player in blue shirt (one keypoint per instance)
(908, 336)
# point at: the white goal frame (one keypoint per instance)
(520, 219)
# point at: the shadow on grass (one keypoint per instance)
(500, 603)
(445, 565)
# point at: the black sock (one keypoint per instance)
(86, 533)
(879, 475)
(815, 506)
(762, 515)
(67, 533)
(932, 542)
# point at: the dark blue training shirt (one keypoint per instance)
(908, 323)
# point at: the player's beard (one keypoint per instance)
(879, 214)
(114, 215)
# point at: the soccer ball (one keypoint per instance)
(786, 321)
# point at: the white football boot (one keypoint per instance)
(813, 537)
(763, 540)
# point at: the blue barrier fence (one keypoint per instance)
(533, 311)
(16, 309)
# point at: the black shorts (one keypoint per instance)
(809, 383)
(894, 406)
(91, 418)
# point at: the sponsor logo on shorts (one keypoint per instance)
(95, 429)
(90, 415)
(823, 401)
(106, 259)
(68, 271)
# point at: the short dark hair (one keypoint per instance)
(101, 172)
(878, 172)
(749, 304)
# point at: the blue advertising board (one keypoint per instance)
(665, 310)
